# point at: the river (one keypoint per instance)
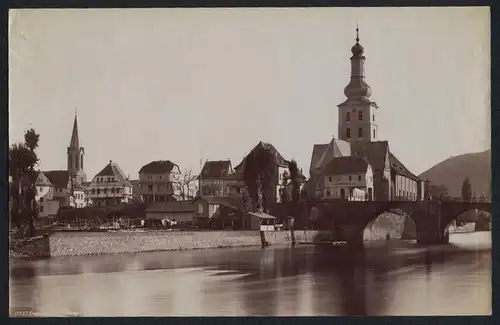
(388, 278)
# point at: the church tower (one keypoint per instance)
(357, 115)
(75, 156)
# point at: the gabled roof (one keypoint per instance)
(216, 169)
(58, 178)
(158, 167)
(399, 168)
(42, 180)
(112, 169)
(323, 153)
(375, 152)
(179, 206)
(346, 165)
(279, 158)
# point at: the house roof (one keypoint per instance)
(262, 215)
(86, 184)
(346, 165)
(169, 207)
(112, 169)
(399, 168)
(375, 152)
(42, 180)
(279, 158)
(58, 178)
(134, 182)
(158, 167)
(216, 169)
(226, 201)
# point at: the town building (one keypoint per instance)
(136, 191)
(110, 187)
(358, 137)
(348, 177)
(156, 181)
(66, 190)
(281, 165)
(216, 179)
(170, 213)
(47, 205)
(76, 156)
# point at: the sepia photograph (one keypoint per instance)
(250, 162)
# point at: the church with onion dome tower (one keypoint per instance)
(357, 165)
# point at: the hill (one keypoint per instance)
(452, 172)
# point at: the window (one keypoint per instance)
(117, 191)
(41, 208)
(360, 132)
(330, 179)
(374, 133)
(328, 193)
(348, 116)
(98, 191)
(360, 115)
(150, 188)
(348, 133)
(150, 177)
(350, 178)
(41, 199)
(359, 177)
(373, 117)
(160, 177)
(113, 190)
(93, 191)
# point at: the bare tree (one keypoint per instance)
(185, 185)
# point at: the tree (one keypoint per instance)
(466, 190)
(283, 188)
(259, 175)
(436, 192)
(22, 163)
(185, 185)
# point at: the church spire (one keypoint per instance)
(357, 86)
(75, 142)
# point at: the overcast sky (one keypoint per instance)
(179, 84)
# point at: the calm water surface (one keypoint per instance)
(390, 278)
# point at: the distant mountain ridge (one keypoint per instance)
(452, 172)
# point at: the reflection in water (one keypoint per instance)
(396, 278)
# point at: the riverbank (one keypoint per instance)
(114, 242)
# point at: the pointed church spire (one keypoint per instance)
(75, 142)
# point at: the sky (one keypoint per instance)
(209, 84)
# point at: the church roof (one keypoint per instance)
(75, 141)
(323, 153)
(346, 165)
(158, 167)
(375, 152)
(112, 169)
(399, 168)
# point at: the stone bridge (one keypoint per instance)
(350, 218)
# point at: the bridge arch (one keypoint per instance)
(480, 214)
(390, 223)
